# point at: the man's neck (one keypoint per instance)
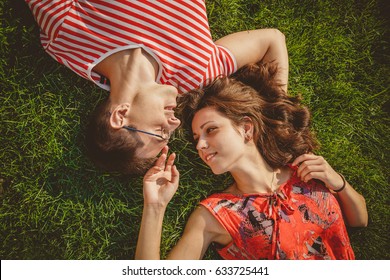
(127, 70)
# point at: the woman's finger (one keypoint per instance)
(311, 175)
(308, 164)
(302, 158)
(175, 175)
(160, 162)
(170, 161)
(315, 171)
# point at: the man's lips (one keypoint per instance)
(170, 107)
(170, 111)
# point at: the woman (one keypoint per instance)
(280, 205)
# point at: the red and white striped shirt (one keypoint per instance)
(80, 34)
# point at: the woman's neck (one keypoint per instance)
(258, 177)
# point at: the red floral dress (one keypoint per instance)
(300, 221)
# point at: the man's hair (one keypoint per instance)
(112, 150)
(281, 123)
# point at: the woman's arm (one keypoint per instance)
(201, 230)
(352, 203)
(353, 206)
(159, 185)
(266, 45)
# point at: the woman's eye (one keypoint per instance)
(210, 129)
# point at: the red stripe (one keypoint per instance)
(64, 51)
(72, 62)
(189, 10)
(38, 9)
(201, 28)
(45, 8)
(118, 24)
(149, 18)
(50, 32)
(185, 46)
(128, 37)
(82, 55)
(93, 44)
(177, 59)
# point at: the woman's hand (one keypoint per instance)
(352, 203)
(316, 167)
(161, 181)
(160, 184)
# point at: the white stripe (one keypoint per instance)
(197, 13)
(68, 54)
(152, 34)
(37, 11)
(185, 31)
(195, 21)
(174, 64)
(52, 18)
(98, 53)
(121, 39)
(75, 48)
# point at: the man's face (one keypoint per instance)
(153, 112)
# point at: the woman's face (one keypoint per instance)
(220, 144)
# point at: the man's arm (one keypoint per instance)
(266, 45)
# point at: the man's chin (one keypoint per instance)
(147, 152)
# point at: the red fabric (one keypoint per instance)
(300, 221)
(80, 34)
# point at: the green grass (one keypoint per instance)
(55, 205)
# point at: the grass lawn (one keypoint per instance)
(55, 205)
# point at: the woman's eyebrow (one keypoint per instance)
(205, 124)
(201, 127)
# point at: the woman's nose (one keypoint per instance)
(202, 144)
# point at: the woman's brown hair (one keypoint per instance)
(281, 122)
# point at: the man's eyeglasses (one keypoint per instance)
(165, 135)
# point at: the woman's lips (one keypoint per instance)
(208, 157)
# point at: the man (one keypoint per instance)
(145, 53)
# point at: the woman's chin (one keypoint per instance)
(218, 171)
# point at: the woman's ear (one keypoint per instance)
(247, 125)
(118, 115)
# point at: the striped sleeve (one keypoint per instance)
(80, 34)
(49, 15)
(222, 63)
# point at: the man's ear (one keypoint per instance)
(118, 115)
